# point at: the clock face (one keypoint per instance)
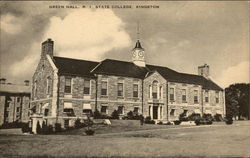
(134, 54)
(140, 53)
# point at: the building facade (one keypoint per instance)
(64, 89)
(14, 102)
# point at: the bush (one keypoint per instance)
(182, 117)
(115, 114)
(58, 127)
(229, 120)
(194, 116)
(149, 121)
(78, 124)
(97, 115)
(218, 117)
(90, 132)
(8, 125)
(160, 123)
(203, 121)
(177, 122)
(207, 117)
(169, 123)
(26, 128)
(38, 128)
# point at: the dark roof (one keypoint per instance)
(127, 69)
(174, 76)
(120, 68)
(13, 88)
(74, 66)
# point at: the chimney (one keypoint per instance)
(47, 48)
(203, 70)
(2, 81)
(26, 82)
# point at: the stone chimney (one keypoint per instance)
(47, 48)
(26, 82)
(2, 80)
(203, 70)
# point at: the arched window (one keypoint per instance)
(154, 89)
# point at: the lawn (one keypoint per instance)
(181, 141)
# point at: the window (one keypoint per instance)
(206, 96)
(46, 112)
(104, 88)
(120, 110)
(195, 96)
(66, 123)
(120, 90)
(86, 109)
(172, 112)
(35, 88)
(135, 91)
(86, 88)
(48, 85)
(172, 94)
(104, 109)
(18, 109)
(68, 85)
(154, 90)
(160, 92)
(136, 110)
(68, 108)
(217, 97)
(149, 91)
(18, 99)
(184, 97)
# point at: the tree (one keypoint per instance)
(237, 100)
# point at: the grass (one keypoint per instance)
(198, 141)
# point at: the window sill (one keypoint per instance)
(120, 97)
(104, 96)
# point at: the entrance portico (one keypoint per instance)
(155, 111)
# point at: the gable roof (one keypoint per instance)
(127, 69)
(74, 66)
(120, 68)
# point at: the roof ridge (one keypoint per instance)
(76, 59)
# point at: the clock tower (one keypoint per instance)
(138, 55)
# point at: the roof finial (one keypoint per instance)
(138, 30)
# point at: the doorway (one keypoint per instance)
(155, 112)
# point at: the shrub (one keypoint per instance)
(38, 128)
(207, 117)
(58, 127)
(160, 123)
(8, 125)
(194, 116)
(50, 129)
(97, 115)
(229, 120)
(115, 114)
(149, 121)
(177, 122)
(26, 128)
(197, 122)
(218, 117)
(90, 132)
(169, 123)
(78, 123)
(182, 117)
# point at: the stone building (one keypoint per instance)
(64, 89)
(14, 102)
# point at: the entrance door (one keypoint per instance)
(155, 112)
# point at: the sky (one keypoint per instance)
(179, 35)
